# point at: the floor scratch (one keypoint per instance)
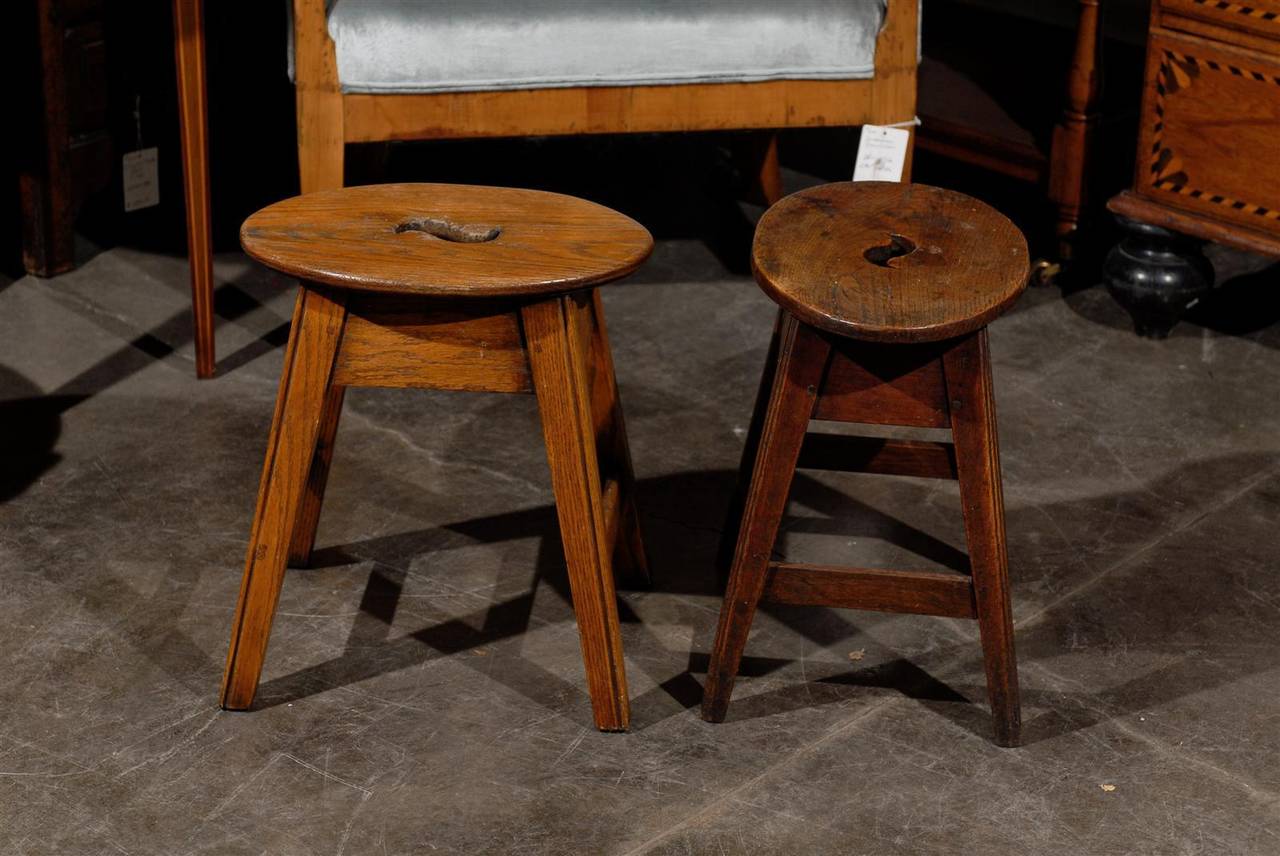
(313, 768)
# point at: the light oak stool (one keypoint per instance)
(886, 290)
(450, 287)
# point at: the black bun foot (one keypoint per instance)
(1156, 275)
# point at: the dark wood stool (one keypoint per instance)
(886, 291)
(450, 287)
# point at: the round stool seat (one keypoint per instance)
(889, 262)
(446, 240)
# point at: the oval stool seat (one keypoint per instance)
(446, 240)
(890, 262)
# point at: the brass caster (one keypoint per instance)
(1045, 272)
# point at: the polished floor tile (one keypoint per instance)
(424, 693)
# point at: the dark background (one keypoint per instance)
(253, 161)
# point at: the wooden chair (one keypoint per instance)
(329, 117)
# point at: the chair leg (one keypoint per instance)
(802, 359)
(733, 517)
(769, 178)
(558, 359)
(967, 367)
(756, 158)
(188, 24)
(629, 553)
(304, 386)
(304, 531)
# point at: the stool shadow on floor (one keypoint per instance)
(496, 622)
(682, 515)
(233, 302)
(1061, 703)
(486, 626)
(31, 419)
(30, 424)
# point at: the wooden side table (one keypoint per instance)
(63, 148)
(450, 287)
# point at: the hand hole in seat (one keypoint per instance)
(445, 230)
(882, 254)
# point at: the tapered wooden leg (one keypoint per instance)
(733, 517)
(967, 367)
(558, 359)
(802, 359)
(188, 26)
(614, 450)
(304, 386)
(304, 531)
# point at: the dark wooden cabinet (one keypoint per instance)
(1207, 165)
(65, 148)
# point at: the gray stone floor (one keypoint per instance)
(424, 693)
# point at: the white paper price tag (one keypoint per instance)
(141, 179)
(882, 153)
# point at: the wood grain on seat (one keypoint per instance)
(430, 239)
(890, 262)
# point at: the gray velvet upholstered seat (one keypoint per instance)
(420, 46)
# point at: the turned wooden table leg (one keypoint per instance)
(188, 26)
(1074, 136)
(967, 367)
(801, 363)
(304, 386)
(558, 359)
